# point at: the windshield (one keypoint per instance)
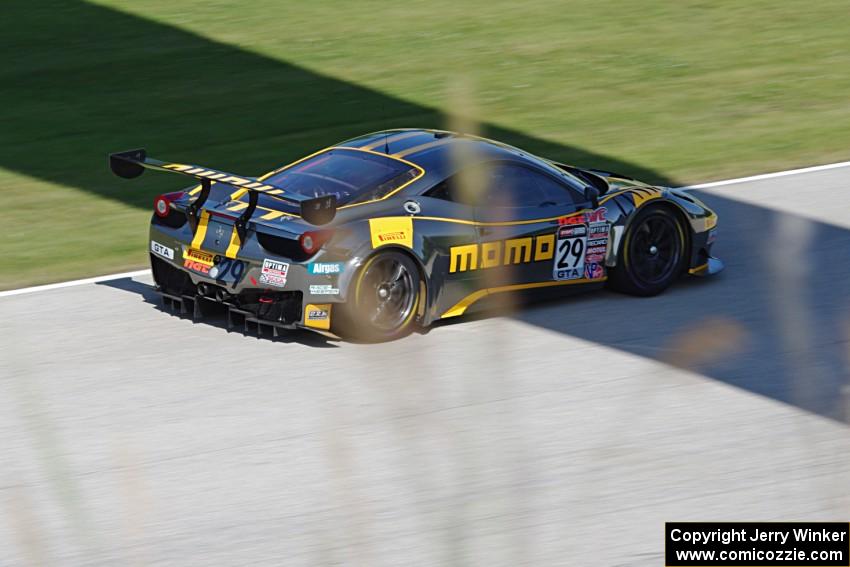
(353, 176)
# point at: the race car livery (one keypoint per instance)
(394, 230)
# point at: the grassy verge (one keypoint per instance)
(676, 92)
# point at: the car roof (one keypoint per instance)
(437, 151)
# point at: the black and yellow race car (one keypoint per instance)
(394, 230)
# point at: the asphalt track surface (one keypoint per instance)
(565, 433)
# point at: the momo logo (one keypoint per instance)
(501, 253)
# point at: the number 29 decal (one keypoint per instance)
(569, 252)
(227, 269)
(577, 257)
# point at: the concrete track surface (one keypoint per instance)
(565, 433)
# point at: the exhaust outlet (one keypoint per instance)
(203, 289)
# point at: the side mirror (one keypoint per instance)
(591, 195)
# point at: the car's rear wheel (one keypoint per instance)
(652, 255)
(384, 299)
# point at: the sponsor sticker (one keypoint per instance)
(571, 231)
(317, 315)
(274, 273)
(323, 290)
(391, 236)
(597, 246)
(391, 230)
(199, 267)
(569, 252)
(162, 250)
(328, 268)
(581, 218)
(198, 256)
(580, 249)
(593, 270)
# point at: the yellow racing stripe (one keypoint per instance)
(235, 244)
(201, 232)
(461, 306)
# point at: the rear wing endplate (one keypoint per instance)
(315, 210)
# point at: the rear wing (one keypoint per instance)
(315, 210)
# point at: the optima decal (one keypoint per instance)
(274, 273)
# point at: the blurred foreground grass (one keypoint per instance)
(679, 92)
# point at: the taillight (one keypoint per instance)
(162, 204)
(312, 240)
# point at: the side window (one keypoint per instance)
(513, 186)
(442, 190)
(505, 185)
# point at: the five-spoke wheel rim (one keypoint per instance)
(655, 248)
(387, 293)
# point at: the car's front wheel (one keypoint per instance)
(383, 300)
(652, 255)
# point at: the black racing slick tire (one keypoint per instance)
(653, 253)
(384, 299)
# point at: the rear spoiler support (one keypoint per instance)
(315, 210)
(193, 211)
(241, 223)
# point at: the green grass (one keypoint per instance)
(672, 92)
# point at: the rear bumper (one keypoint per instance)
(291, 297)
(280, 310)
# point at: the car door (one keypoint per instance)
(522, 219)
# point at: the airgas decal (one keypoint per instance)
(391, 230)
(326, 268)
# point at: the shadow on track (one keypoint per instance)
(214, 315)
(790, 311)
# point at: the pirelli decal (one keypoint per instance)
(501, 253)
(228, 178)
(391, 230)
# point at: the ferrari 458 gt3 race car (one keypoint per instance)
(394, 230)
